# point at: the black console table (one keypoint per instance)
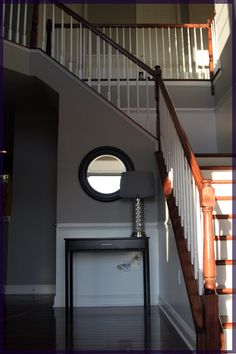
(73, 245)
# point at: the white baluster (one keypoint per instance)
(10, 22)
(137, 72)
(57, 44)
(18, 24)
(62, 39)
(147, 106)
(195, 51)
(130, 50)
(170, 53)
(163, 52)
(123, 41)
(77, 52)
(176, 54)
(157, 51)
(183, 52)
(150, 46)
(189, 54)
(110, 33)
(118, 70)
(71, 44)
(44, 28)
(85, 75)
(90, 58)
(24, 37)
(53, 32)
(99, 64)
(143, 46)
(3, 19)
(104, 55)
(127, 84)
(80, 51)
(202, 48)
(109, 73)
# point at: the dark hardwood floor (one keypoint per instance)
(32, 323)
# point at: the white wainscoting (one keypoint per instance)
(97, 280)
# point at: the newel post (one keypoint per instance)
(210, 49)
(157, 79)
(207, 201)
(212, 329)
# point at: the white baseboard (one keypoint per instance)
(29, 289)
(186, 333)
(105, 300)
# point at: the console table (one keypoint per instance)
(128, 244)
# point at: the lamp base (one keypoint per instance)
(138, 214)
(138, 234)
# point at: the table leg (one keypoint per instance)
(146, 278)
(66, 276)
(71, 280)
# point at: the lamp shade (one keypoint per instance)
(137, 184)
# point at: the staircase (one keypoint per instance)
(190, 196)
(219, 169)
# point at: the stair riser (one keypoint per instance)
(215, 161)
(224, 275)
(223, 249)
(228, 334)
(222, 227)
(223, 207)
(226, 305)
(223, 189)
(217, 175)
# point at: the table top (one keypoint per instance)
(113, 243)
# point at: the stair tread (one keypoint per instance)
(227, 322)
(225, 197)
(225, 237)
(223, 181)
(225, 262)
(215, 154)
(222, 290)
(224, 216)
(217, 168)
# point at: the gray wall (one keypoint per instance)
(223, 84)
(31, 232)
(85, 122)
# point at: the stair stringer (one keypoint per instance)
(184, 255)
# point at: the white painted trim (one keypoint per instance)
(29, 289)
(188, 83)
(186, 333)
(148, 225)
(105, 300)
(195, 109)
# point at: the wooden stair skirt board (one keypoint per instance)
(184, 256)
(218, 168)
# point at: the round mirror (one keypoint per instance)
(100, 172)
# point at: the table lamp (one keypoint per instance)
(137, 185)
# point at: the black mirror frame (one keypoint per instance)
(103, 150)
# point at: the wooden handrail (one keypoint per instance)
(105, 38)
(141, 25)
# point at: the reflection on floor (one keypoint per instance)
(32, 323)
